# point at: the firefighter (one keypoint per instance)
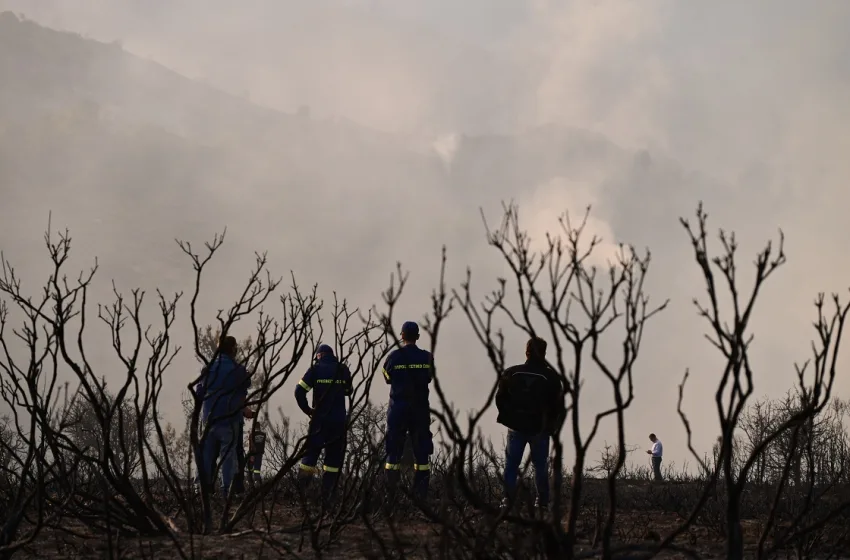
(408, 371)
(256, 449)
(330, 382)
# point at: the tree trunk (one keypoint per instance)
(734, 531)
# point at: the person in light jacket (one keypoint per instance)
(656, 453)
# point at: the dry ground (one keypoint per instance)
(357, 542)
(647, 512)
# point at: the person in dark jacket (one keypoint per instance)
(331, 383)
(530, 400)
(408, 371)
(224, 388)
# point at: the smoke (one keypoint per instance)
(751, 95)
(446, 147)
(603, 70)
(545, 211)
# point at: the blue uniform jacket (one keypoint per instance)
(408, 371)
(330, 382)
(224, 391)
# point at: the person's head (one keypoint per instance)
(227, 345)
(652, 438)
(535, 349)
(324, 350)
(409, 332)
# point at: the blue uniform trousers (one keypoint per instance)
(401, 422)
(328, 435)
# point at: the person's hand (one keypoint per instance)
(310, 412)
(248, 412)
(648, 452)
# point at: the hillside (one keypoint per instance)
(85, 121)
(337, 57)
(113, 141)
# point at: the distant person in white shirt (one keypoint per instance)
(656, 452)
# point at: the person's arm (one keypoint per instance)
(387, 369)
(565, 385)
(242, 385)
(502, 397)
(557, 405)
(244, 382)
(304, 386)
(200, 387)
(349, 386)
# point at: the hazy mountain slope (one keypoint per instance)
(61, 67)
(339, 59)
(110, 115)
(130, 155)
(128, 132)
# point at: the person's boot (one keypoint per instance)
(393, 478)
(509, 500)
(237, 485)
(541, 509)
(304, 484)
(504, 505)
(329, 483)
(421, 481)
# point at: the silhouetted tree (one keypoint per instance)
(76, 455)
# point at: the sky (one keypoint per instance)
(744, 105)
